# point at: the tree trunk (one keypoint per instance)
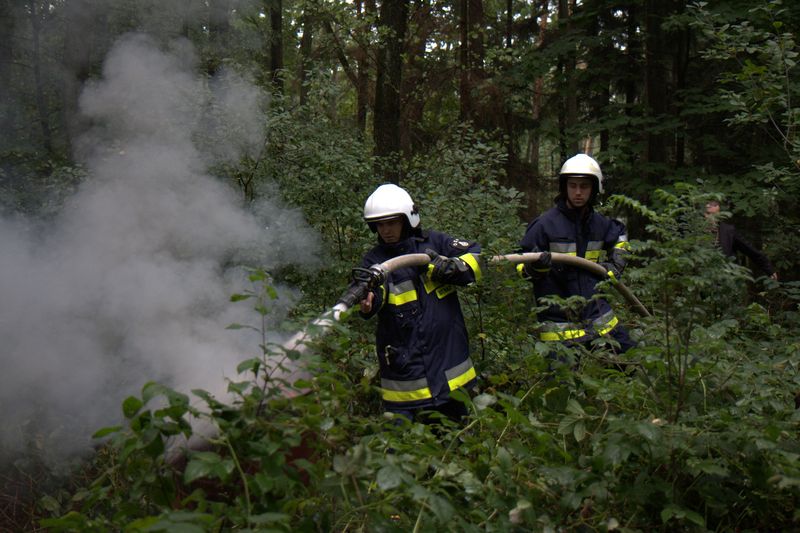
(392, 24)
(358, 77)
(573, 145)
(362, 70)
(538, 87)
(567, 104)
(632, 52)
(77, 61)
(362, 95)
(306, 49)
(415, 81)
(471, 56)
(276, 45)
(6, 43)
(509, 22)
(602, 97)
(41, 104)
(657, 61)
(218, 33)
(7, 107)
(680, 68)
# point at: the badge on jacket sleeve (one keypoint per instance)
(459, 244)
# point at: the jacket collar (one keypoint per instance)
(571, 213)
(401, 247)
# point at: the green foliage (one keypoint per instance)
(322, 170)
(694, 429)
(763, 84)
(456, 184)
(760, 86)
(34, 185)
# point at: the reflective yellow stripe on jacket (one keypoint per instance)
(473, 263)
(593, 250)
(568, 248)
(443, 289)
(460, 375)
(402, 293)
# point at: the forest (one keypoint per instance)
(182, 187)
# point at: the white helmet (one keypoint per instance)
(389, 201)
(582, 165)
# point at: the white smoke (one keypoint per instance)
(131, 281)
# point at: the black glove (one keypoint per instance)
(538, 267)
(444, 268)
(612, 268)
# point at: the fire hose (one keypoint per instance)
(368, 279)
(581, 263)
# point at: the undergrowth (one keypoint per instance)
(696, 431)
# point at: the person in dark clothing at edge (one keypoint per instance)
(729, 242)
(573, 227)
(421, 338)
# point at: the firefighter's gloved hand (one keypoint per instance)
(539, 267)
(611, 270)
(443, 268)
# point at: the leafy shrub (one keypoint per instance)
(697, 434)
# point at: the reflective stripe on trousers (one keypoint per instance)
(558, 331)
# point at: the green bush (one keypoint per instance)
(698, 434)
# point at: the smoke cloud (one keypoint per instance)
(131, 280)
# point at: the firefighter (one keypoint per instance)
(730, 242)
(573, 227)
(421, 337)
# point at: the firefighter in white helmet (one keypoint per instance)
(421, 339)
(573, 227)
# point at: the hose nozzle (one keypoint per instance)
(364, 280)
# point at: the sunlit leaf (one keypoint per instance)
(131, 406)
(389, 477)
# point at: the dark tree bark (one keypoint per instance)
(657, 81)
(6, 58)
(392, 24)
(6, 48)
(416, 76)
(358, 76)
(79, 18)
(6, 42)
(41, 104)
(568, 103)
(601, 20)
(471, 56)
(538, 87)
(306, 50)
(509, 22)
(340, 53)
(680, 68)
(218, 33)
(362, 70)
(276, 45)
(633, 52)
